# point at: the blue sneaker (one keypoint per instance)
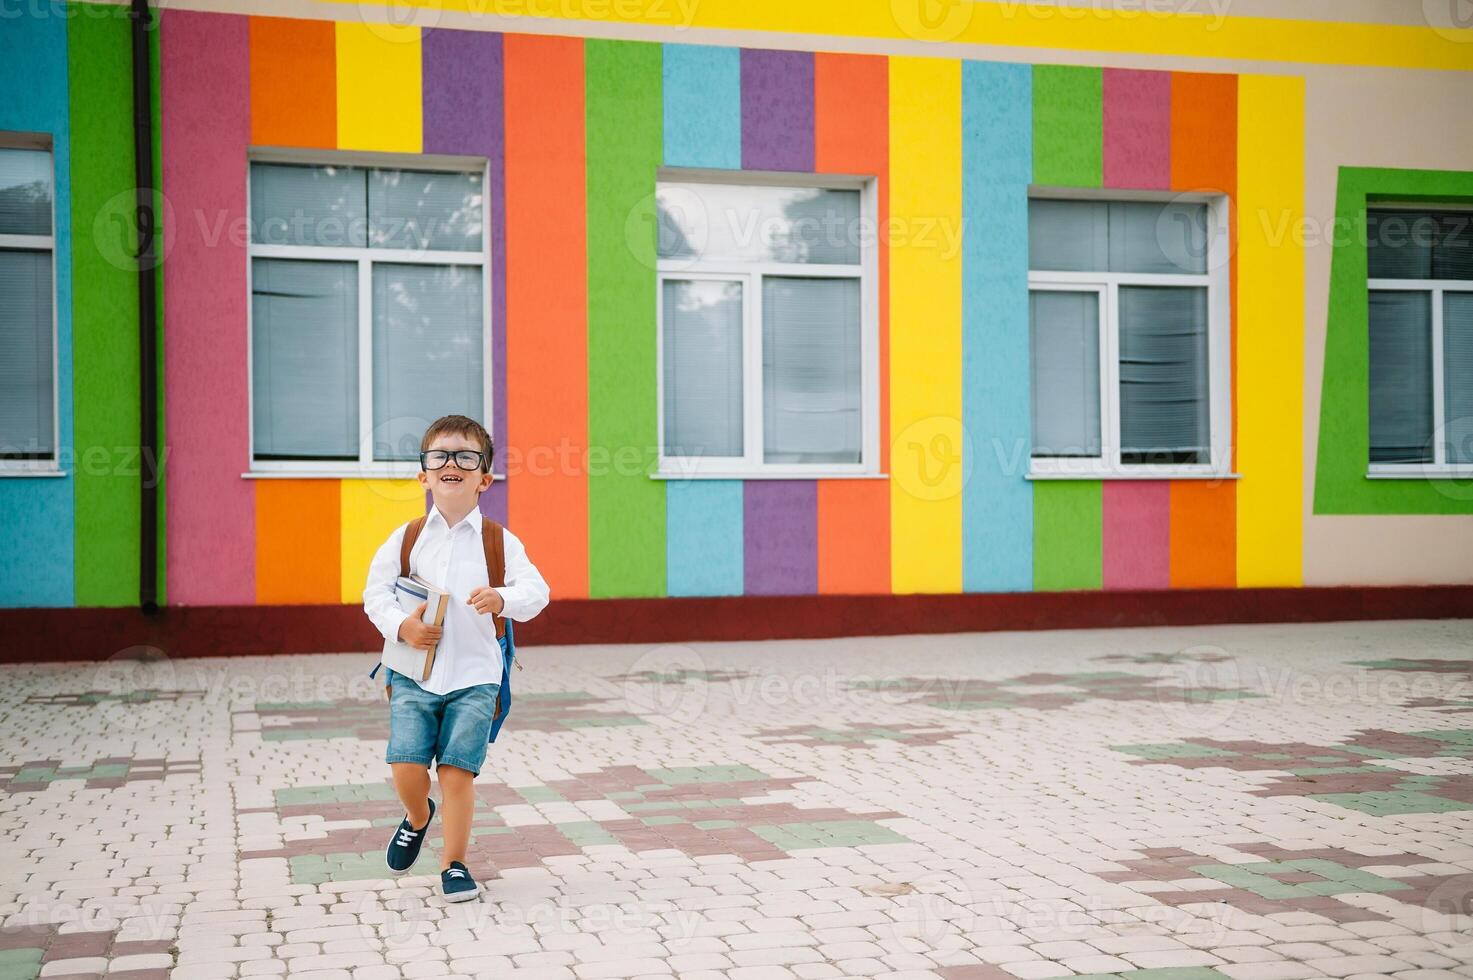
(457, 885)
(403, 849)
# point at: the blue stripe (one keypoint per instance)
(703, 106)
(704, 537)
(36, 562)
(703, 128)
(997, 501)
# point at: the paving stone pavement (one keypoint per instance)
(1254, 803)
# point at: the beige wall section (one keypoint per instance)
(1355, 116)
(1374, 118)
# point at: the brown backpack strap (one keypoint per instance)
(411, 535)
(495, 548)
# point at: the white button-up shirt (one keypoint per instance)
(455, 559)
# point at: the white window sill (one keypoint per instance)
(1144, 473)
(759, 475)
(355, 473)
(1418, 472)
(6, 472)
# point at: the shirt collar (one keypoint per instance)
(473, 519)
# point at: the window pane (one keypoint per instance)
(25, 355)
(702, 367)
(427, 342)
(1165, 237)
(1405, 244)
(810, 370)
(422, 209)
(1457, 366)
(730, 222)
(1068, 236)
(1401, 377)
(304, 359)
(304, 205)
(1064, 338)
(25, 192)
(1117, 236)
(1164, 403)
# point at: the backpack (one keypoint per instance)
(494, 546)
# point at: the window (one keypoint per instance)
(27, 320)
(768, 331)
(1420, 300)
(368, 311)
(1129, 337)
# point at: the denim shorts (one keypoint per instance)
(453, 728)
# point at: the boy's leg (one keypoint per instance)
(412, 783)
(457, 807)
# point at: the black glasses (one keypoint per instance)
(465, 459)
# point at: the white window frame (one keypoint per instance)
(750, 464)
(43, 466)
(1107, 285)
(365, 467)
(1436, 288)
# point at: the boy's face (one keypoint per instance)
(454, 488)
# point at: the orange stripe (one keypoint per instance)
(547, 307)
(1204, 156)
(851, 111)
(293, 83)
(297, 546)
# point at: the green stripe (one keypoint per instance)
(1067, 535)
(626, 509)
(1340, 485)
(104, 312)
(1068, 126)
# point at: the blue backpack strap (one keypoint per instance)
(503, 696)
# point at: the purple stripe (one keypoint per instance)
(777, 110)
(463, 115)
(780, 531)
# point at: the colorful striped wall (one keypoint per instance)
(573, 130)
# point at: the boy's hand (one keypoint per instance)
(486, 600)
(417, 633)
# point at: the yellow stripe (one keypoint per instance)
(379, 105)
(1021, 23)
(925, 325)
(1270, 330)
(371, 510)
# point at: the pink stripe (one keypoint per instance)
(1137, 534)
(206, 123)
(1137, 128)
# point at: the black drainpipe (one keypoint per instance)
(148, 456)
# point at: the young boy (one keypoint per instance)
(448, 716)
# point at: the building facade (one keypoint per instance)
(757, 300)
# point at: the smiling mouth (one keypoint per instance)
(452, 478)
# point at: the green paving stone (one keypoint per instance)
(715, 824)
(21, 956)
(1219, 694)
(827, 833)
(539, 794)
(586, 833)
(1173, 750)
(649, 807)
(34, 775)
(293, 705)
(1275, 756)
(1175, 973)
(298, 734)
(657, 821)
(1336, 770)
(496, 830)
(689, 775)
(1381, 804)
(1328, 758)
(552, 696)
(974, 705)
(1371, 753)
(625, 795)
(343, 793)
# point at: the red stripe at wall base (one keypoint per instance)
(200, 631)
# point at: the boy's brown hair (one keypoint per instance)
(460, 425)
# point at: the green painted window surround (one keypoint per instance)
(1341, 482)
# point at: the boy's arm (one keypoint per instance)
(378, 594)
(525, 593)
